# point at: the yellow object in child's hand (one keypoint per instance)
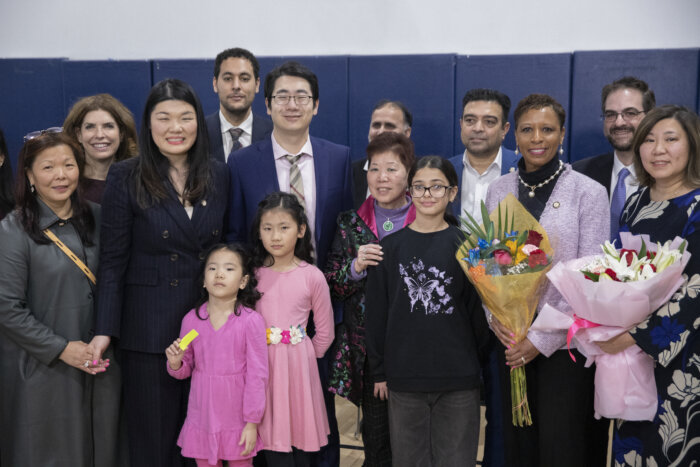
(189, 337)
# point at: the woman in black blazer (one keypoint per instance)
(161, 212)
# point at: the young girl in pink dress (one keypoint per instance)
(227, 362)
(295, 422)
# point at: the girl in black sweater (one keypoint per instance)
(425, 327)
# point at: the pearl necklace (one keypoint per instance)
(541, 184)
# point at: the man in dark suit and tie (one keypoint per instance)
(624, 104)
(386, 116)
(324, 188)
(234, 126)
(483, 126)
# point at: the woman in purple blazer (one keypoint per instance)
(574, 212)
(160, 212)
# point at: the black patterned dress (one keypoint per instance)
(349, 374)
(670, 336)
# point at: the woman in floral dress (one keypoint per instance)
(667, 161)
(355, 248)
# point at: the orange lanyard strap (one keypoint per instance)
(86, 270)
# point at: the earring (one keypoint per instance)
(561, 150)
(517, 151)
(32, 189)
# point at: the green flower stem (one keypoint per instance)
(518, 397)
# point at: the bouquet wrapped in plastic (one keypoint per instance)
(610, 294)
(506, 259)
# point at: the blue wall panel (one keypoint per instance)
(331, 123)
(198, 73)
(424, 83)
(128, 81)
(516, 76)
(671, 74)
(31, 99)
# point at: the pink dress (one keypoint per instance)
(295, 414)
(229, 376)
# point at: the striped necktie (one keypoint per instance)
(296, 184)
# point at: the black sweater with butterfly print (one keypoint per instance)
(426, 328)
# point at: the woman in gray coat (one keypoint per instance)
(58, 406)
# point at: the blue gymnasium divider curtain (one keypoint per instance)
(37, 93)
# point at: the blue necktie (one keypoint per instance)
(617, 203)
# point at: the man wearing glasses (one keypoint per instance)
(316, 171)
(625, 102)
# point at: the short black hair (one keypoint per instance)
(630, 82)
(407, 116)
(488, 95)
(236, 52)
(290, 69)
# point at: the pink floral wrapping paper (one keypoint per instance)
(624, 382)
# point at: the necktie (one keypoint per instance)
(296, 185)
(617, 203)
(235, 135)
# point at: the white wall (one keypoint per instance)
(142, 29)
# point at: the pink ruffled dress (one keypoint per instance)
(229, 372)
(295, 414)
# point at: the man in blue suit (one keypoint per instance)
(291, 97)
(484, 125)
(234, 126)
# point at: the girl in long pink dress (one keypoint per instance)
(227, 362)
(295, 421)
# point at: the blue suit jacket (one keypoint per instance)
(151, 259)
(254, 175)
(262, 127)
(509, 163)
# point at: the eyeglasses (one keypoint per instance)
(436, 191)
(36, 134)
(299, 100)
(627, 115)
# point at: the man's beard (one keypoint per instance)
(615, 144)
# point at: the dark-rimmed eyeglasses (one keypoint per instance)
(37, 133)
(436, 191)
(298, 100)
(627, 115)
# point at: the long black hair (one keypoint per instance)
(447, 169)
(288, 203)
(248, 296)
(153, 166)
(27, 203)
(7, 199)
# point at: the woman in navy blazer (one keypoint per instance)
(161, 212)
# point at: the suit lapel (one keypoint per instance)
(175, 209)
(322, 175)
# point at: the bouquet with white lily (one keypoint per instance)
(610, 294)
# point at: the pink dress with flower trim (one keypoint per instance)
(229, 372)
(295, 413)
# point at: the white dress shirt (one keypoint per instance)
(246, 137)
(475, 185)
(308, 177)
